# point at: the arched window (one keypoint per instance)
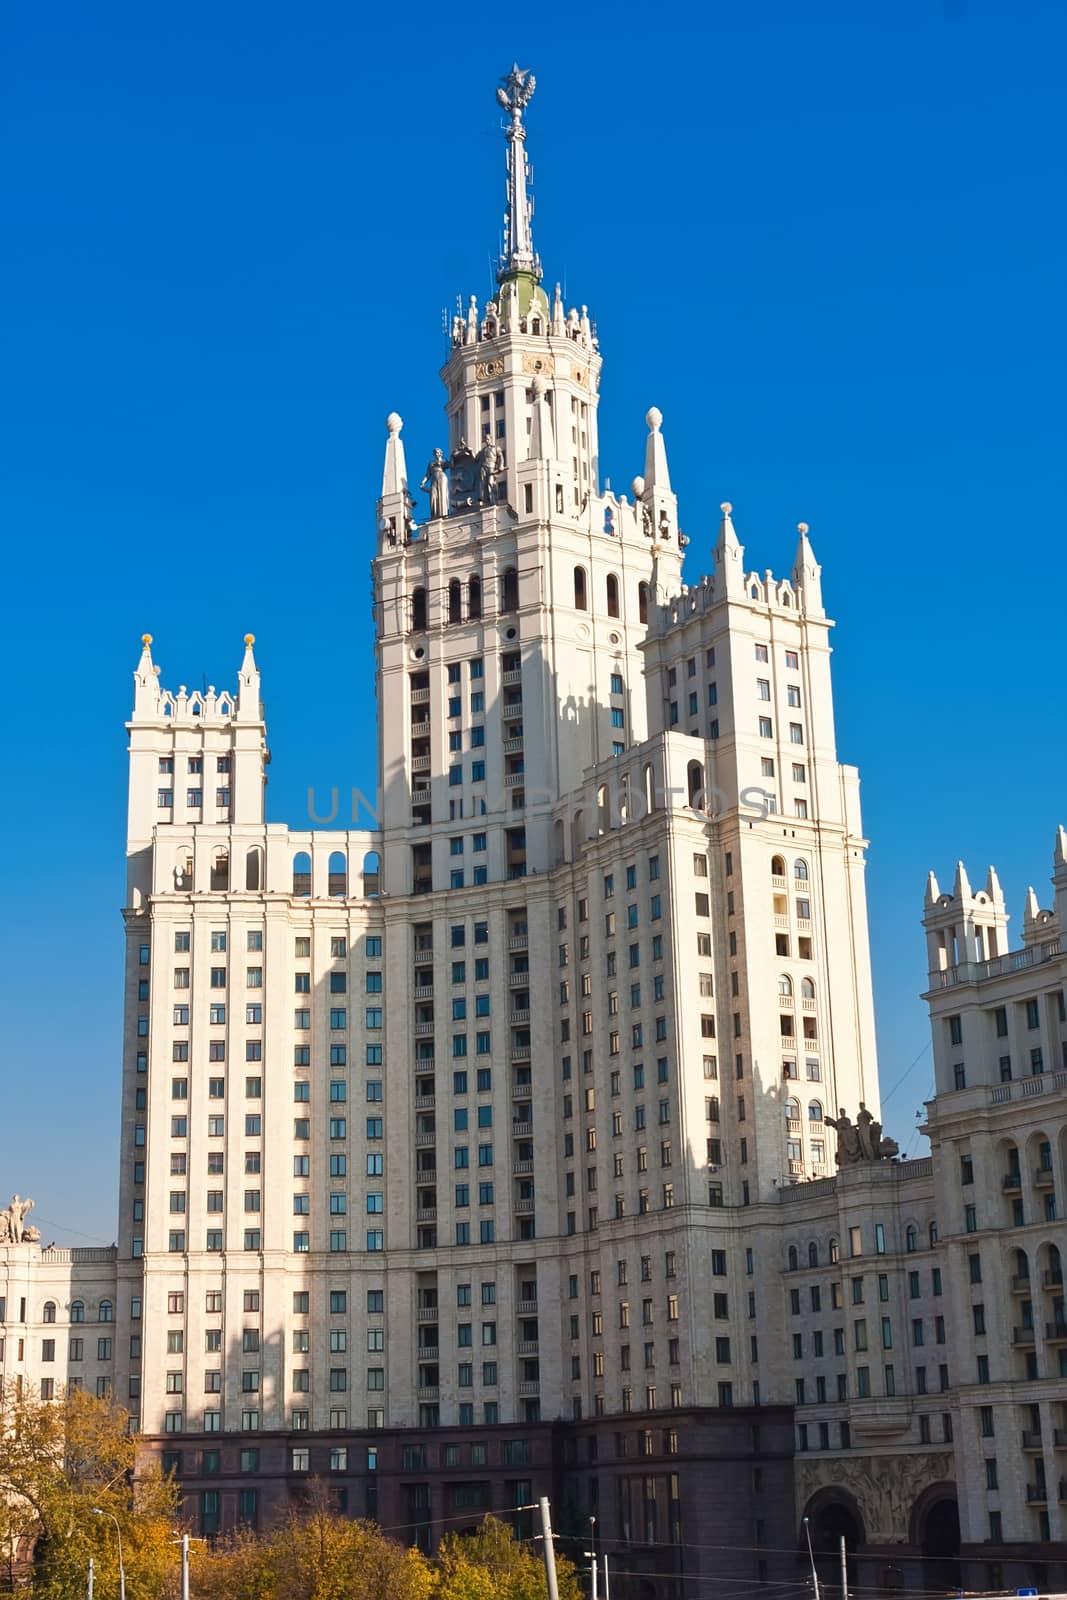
(800, 869)
(695, 784)
(337, 874)
(777, 867)
(793, 1258)
(252, 870)
(302, 873)
(792, 1109)
(785, 983)
(578, 831)
(418, 610)
(650, 789)
(77, 1311)
(371, 873)
(474, 599)
(807, 989)
(932, 1234)
(581, 601)
(509, 590)
(814, 1110)
(642, 602)
(603, 809)
(911, 1238)
(835, 1252)
(1022, 1266)
(559, 849)
(813, 1254)
(106, 1312)
(49, 1314)
(613, 595)
(220, 870)
(455, 601)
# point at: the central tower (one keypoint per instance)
(508, 622)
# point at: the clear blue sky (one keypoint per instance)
(828, 241)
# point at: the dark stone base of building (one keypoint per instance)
(677, 1496)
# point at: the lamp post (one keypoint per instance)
(811, 1558)
(122, 1570)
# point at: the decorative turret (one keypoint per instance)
(729, 557)
(146, 682)
(964, 927)
(1059, 875)
(807, 574)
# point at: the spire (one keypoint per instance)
(657, 477)
(992, 887)
(933, 893)
(961, 887)
(248, 702)
(1033, 908)
(1059, 853)
(729, 555)
(514, 95)
(807, 573)
(146, 681)
(395, 472)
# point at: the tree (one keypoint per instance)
(60, 1461)
(312, 1554)
(493, 1565)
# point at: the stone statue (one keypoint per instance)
(13, 1228)
(861, 1140)
(437, 480)
(490, 462)
(465, 473)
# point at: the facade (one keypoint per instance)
(490, 1153)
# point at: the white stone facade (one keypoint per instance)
(512, 1109)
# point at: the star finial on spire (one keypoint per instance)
(514, 94)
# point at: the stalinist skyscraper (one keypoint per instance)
(449, 1149)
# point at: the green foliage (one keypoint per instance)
(493, 1565)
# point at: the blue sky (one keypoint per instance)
(828, 242)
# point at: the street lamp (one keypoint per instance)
(811, 1558)
(122, 1570)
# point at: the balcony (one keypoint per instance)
(520, 1052)
(527, 1308)
(1052, 1279)
(1044, 1178)
(427, 1314)
(522, 1167)
(1032, 1441)
(1021, 1285)
(514, 780)
(804, 924)
(519, 1019)
(429, 1391)
(1036, 1494)
(513, 675)
(426, 1214)
(424, 1139)
(426, 1175)
(424, 1063)
(807, 1005)
(778, 883)
(420, 763)
(423, 991)
(529, 1386)
(786, 1002)
(419, 696)
(519, 941)
(423, 1029)
(513, 747)
(425, 1102)
(522, 1091)
(780, 921)
(1012, 1183)
(428, 1352)
(524, 1207)
(1056, 1332)
(1023, 1337)
(528, 1347)
(1059, 1438)
(794, 1128)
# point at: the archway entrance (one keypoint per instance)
(940, 1544)
(832, 1515)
